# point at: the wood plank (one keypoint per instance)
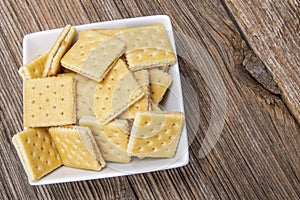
(257, 155)
(272, 30)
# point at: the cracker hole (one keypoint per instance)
(47, 100)
(47, 162)
(153, 149)
(32, 116)
(33, 87)
(62, 113)
(171, 137)
(162, 143)
(103, 108)
(33, 101)
(32, 153)
(47, 86)
(106, 98)
(40, 93)
(54, 92)
(54, 107)
(40, 108)
(62, 99)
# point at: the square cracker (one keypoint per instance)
(112, 138)
(147, 46)
(77, 147)
(142, 76)
(37, 152)
(58, 49)
(155, 134)
(49, 101)
(35, 68)
(116, 93)
(93, 54)
(159, 83)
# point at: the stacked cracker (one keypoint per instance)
(98, 100)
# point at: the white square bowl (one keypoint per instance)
(37, 43)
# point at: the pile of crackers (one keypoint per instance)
(96, 100)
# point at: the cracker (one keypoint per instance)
(147, 46)
(155, 134)
(37, 152)
(49, 101)
(159, 83)
(93, 54)
(116, 93)
(142, 76)
(77, 147)
(112, 138)
(35, 68)
(58, 49)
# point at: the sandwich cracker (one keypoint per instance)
(37, 152)
(155, 134)
(58, 49)
(93, 54)
(77, 147)
(112, 138)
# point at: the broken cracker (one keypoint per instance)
(58, 49)
(37, 152)
(77, 147)
(117, 92)
(147, 46)
(112, 138)
(93, 54)
(155, 134)
(49, 101)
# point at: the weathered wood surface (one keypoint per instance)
(257, 155)
(272, 30)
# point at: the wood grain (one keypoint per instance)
(257, 155)
(272, 30)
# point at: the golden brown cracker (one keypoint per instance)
(155, 134)
(49, 101)
(37, 152)
(77, 147)
(93, 54)
(58, 49)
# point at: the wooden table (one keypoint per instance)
(256, 154)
